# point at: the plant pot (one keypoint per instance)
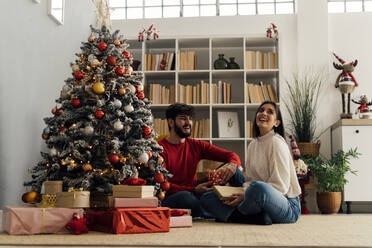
(309, 149)
(328, 202)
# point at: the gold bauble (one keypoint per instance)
(87, 167)
(91, 38)
(98, 88)
(117, 42)
(88, 68)
(123, 160)
(122, 91)
(161, 195)
(73, 96)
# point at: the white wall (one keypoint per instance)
(35, 54)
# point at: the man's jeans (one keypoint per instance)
(190, 200)
(259, 196)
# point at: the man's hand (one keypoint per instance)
(239, 197)
(203, 187)
(228, 171)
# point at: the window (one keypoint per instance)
(339, 6)
(56, 10)
(139, 9)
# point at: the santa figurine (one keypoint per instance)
(269, 32)
(140, 35)
(155, 34)
(275, 29)
(149, 32)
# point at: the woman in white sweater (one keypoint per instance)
(271, 187)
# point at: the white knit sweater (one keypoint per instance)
(270, 161)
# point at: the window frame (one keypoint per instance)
(345, 5)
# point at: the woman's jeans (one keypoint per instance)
(190, 200)
(258, 197)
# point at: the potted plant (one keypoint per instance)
(330, 175)
(302, 102)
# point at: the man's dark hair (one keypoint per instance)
(178, 109)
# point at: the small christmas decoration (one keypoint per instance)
(119, 71)
(161, 195)
(364, 111)
(117, 42)
(75, 103)
(99, 114)
(77, 225)
(98, 88)
(88, 130)
(75, 67)
(146, 131)
(114, 158)
(346, 83)
(79, 75)
(276, 32)
(134, 181)
(129, 108)
(117, 103)
(151, 31)
(91, 38)
(141, 95)
(165, 186)
(118, 125)
(126, 54)
(31, 197)
(102, 46)
(87, 167)
(143, 158)
(141, 35)
(111, 60)
(159, 178)
(269, 32)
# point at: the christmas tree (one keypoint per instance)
(101, 132)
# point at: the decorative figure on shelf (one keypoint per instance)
(364, 112)
(269, 32)
(155, 34)
(346, 83)
(276, 32)
(141, 35)
(151, 31)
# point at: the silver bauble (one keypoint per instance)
(75, 68)
(88, 130)
(143, 158)
(132, 88)
(118, 125)
(129, 108)
(53, 152)
(117, 103)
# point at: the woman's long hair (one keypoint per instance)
(279, 129)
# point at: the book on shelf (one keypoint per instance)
(257, 93)
(256, 59)
(161, 94)
(187, 60)
(159, 62)
(250, 59)
(225, 193)
(249, 129)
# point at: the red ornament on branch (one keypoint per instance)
(79, 75)
(113, 158)
(146, 131)
(75, 103)
(141, 95)
(63, 128)
(150, 155)
(99, 114)
(119, 71)
(165, 186)
(159, 177)
(126, 54)
(102, 46)
(111, 60)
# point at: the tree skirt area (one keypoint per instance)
(339, 230)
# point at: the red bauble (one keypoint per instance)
(75, 103)
(59, 111)
(102, 46)
(165, 186)
(119, 71)
(99, 114)
(126, 54)
(79, 75)
(111, 60)
(159, 178)
(150, 155)
(141, 95)
(113, 158)
(63, 128)
(146, 131)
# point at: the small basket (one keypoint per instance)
(309, 149)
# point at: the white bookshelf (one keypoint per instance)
(207, 50)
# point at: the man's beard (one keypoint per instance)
(180, 133)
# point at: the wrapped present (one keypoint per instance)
(52, 187)
(146, 202)
(133, 191)
(31, 220)
(73, 199)
(101, 200)
(180, 221)
(48, 201)
(129, 220)
(215, 177)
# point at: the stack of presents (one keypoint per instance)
(129, 209)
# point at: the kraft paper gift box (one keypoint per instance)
(32, 220)
(136, 202)
(101, 200)
(73, 199)
(133, 191)
(129, 220)
(52, 187)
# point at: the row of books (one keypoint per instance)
(249, 129)
(159, 62)
(261, 60)
(200, 128)
(257, 93)
(193, 94)
(160, 94)
(187, 60)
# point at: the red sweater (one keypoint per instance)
(182, 160)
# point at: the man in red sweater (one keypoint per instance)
(181, 157)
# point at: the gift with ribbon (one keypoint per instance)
(48, 201)
(30, 220)
(180, 218)
(74, 198)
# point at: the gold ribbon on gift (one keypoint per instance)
(72, 189)
(43, 221)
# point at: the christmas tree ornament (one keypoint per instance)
(123, 159)
(113, 158)
(111, 60)
(100, 102)
(58, 111)
(139, 88)
(99, 114)
(53, 152)
(143, 158)
(77, 225)
(75, 103)
(117, 42)
(161, 195)
(31, 197)
(129, 108)
(98, 88)
(87, 167)
(119, 71)
(141, 95)
(45, 136)
(128, 70)
(126, 54)
(117, 103)
(165, 186)
(118, 125)
(122, 91)
(160, 160)
(131, 88)
(91, 38)
(95, 63)
(79, 75)
(88, 68)
(146, 131)
(65, 91)
(102, 46)
(88, 130)
(150, 155)
(159, 177)
(63, 128)
(75, 68)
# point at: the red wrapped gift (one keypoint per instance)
(32, 220)
(215, 177)
(129, 220)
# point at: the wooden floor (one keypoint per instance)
(339, 230)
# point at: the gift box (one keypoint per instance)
(73, 199)
(133, 191)
(148, 202)
(101, 200)
(52, 187)
(180, 221)
(129, 220)
(48, 201)
(215, 177)
(32, 220)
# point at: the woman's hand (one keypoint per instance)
(239, 197)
